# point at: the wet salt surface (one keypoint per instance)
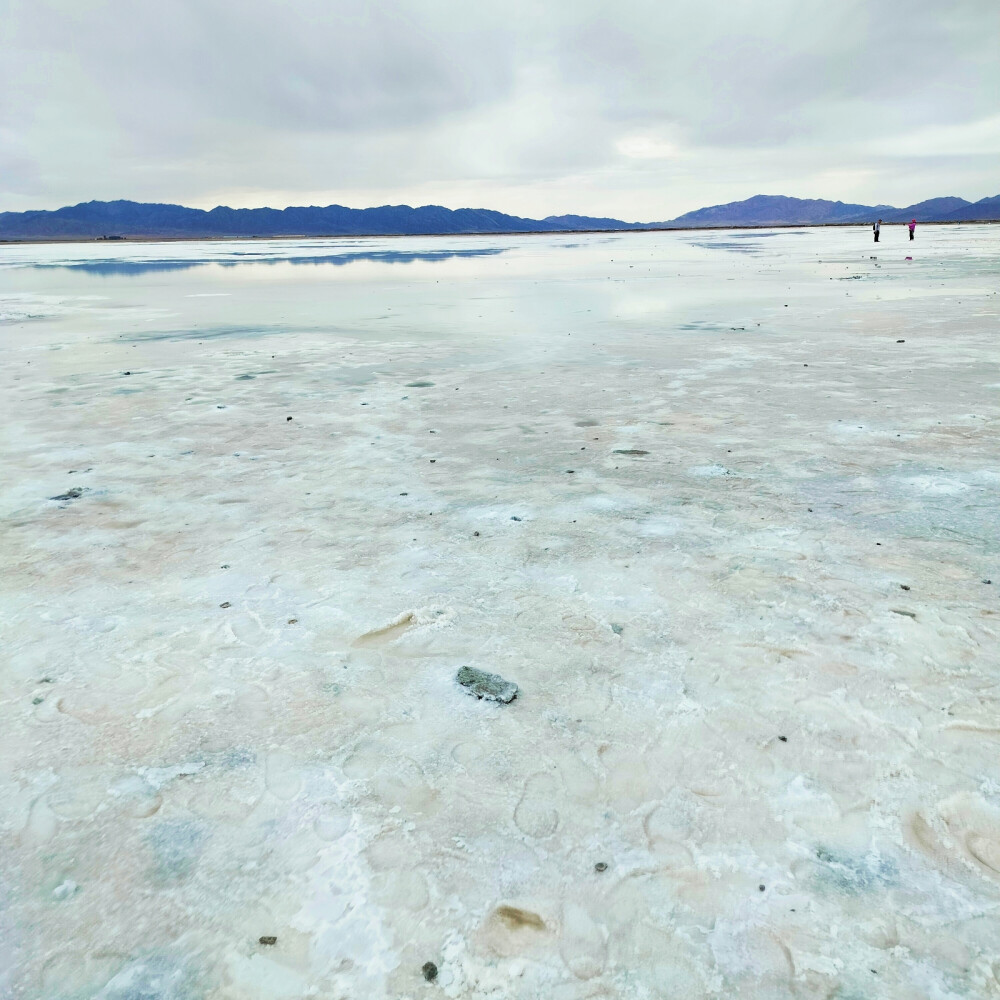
(757, 659)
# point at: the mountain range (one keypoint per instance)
(130, 219)
(775, 210)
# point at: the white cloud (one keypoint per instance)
(647, 147)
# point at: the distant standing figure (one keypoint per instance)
(913, 225)
(876, 229)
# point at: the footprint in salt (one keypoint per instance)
(401, 890)
(247, 629)
(395, 780)
(536, 814)
(177, 846)
(77, 972)
(41, 825)
(581, 944)
(469, 754)
(101, 693)
(664, 835)
(986, 850)
(628, 781)
(89, 706)
(584, 628)
(388, 852)
(229, 796)
(976, 826)
(78, 795)
(332, 822)
(402, 784)
(283, 775)
(169, 701)
(252, 704)
(578, 781)
(135, 797)
(960, 834)
(770, 959)
(635, 943)
(589, 700)
(47, 711)
(365, 760)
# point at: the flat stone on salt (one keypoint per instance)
(492, 687)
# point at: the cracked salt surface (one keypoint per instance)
(230, 712)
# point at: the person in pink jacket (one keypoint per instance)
(913, 225)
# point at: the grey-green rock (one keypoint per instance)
(492, 687)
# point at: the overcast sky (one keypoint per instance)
(639, 109)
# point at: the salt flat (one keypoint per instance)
(724, 505)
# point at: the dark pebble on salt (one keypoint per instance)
(225, 604)
(430, 971)
(475, 534)
(268, 939)
(617, 629)
(37, 701)
(761, 887)
(987, 581)
(293, 621)
(515, 518)
(784, 739)
(601, 866)
(900, 341)
(74, 494)
(287, 419)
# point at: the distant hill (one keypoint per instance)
(130, 219)
(934, 209)
(94, 219)
(984, 210)
(776, 210)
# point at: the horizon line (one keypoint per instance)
(470, 208)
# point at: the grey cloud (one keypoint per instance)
(524, 106)
(744, 72)
(309, 65)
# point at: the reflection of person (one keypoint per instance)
(876, 229)
(913, 225)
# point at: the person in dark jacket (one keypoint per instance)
(876, 229)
